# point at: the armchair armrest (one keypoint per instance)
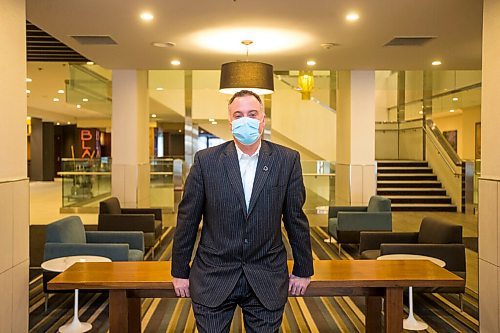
(372, 240)
(452, 254)
(126, 222)
(334, 210)
(357, 221)
(155, 211)
(135, 239)
(115, 252)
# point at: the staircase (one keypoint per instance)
(412, 186)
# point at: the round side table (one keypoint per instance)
(60, 265)
(411, 323)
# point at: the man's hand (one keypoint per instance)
(181, 287)
(297, 285)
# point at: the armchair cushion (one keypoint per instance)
(378, 203)
(369, 240)
(115, 252)
(334, 210)
(110, 206)
(332, 227)
(434, 231)
(67, 230)
(135, 239)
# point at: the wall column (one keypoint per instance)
(130, 138)
(489, 183)
(14, 185)
(355, 168)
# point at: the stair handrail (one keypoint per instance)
(435, 142)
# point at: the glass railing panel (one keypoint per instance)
(162, 183)
(85, 182)
(319, 181)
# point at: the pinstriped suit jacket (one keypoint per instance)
(234, 241)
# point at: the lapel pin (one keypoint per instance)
(265, 168)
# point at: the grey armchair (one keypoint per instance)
(67, 237)
(148, 220)
(346, 222)
(436, 238)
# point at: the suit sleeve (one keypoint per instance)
(296, 223)
(188, 219)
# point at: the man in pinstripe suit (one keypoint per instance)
(242, 189)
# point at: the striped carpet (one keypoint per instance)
(312, 314)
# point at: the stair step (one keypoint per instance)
(408, 199)
(401, 163)
(411, 191)
(408, 183)
(424, 207)
(406, 176)
(398, 170)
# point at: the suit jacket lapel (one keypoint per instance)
(233, 172)
(264, 166)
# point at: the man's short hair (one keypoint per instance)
(243, 93)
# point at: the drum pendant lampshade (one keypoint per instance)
(248, 75)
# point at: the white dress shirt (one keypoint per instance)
(248, 166)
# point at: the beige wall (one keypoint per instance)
(489, 184)
(465, 124)
(14, 188)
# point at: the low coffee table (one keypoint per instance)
(411, 323)
(60, 265)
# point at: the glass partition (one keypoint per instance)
(319, 181)
(162, 183)
(85, 182)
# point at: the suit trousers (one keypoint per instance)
(256, 317)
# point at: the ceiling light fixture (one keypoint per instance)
(147, 16)
(69, 123)
(28, 91)
(420, 112)
(436, 63)
(249, 75)
(162, 44)
(28, 79)
(211, 119)
(452, 111)
(78, 106)
(454, 99)
(352, 17)
(311, 62)
(153, 115)
(160, 89)
(85, 99)
(90, 62)
(60, 91)
(55, 99)
(175, 62)
(58, 124)
(214, 123)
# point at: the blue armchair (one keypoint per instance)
(346, 222)
(67, 237)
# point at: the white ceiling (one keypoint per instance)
(456, 24)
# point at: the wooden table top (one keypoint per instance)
(148, 275)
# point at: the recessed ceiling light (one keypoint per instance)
(153, 115)
(180, 131)
(160, 88)
(69, 123)
(28, 79)
(60, 91)
(214, 123)
(436, 63)
(175, 62)
(55, 99)
(420, 112)
(28, 91)
(147, 16)
(85, 99)
(58, 124)
(452, 110)
(454, 99)
(211, 119)
(311, 62)
(90, 62)
(351, 17)
(162, 44)
(78, 106)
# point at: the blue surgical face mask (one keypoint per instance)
(246, 130)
